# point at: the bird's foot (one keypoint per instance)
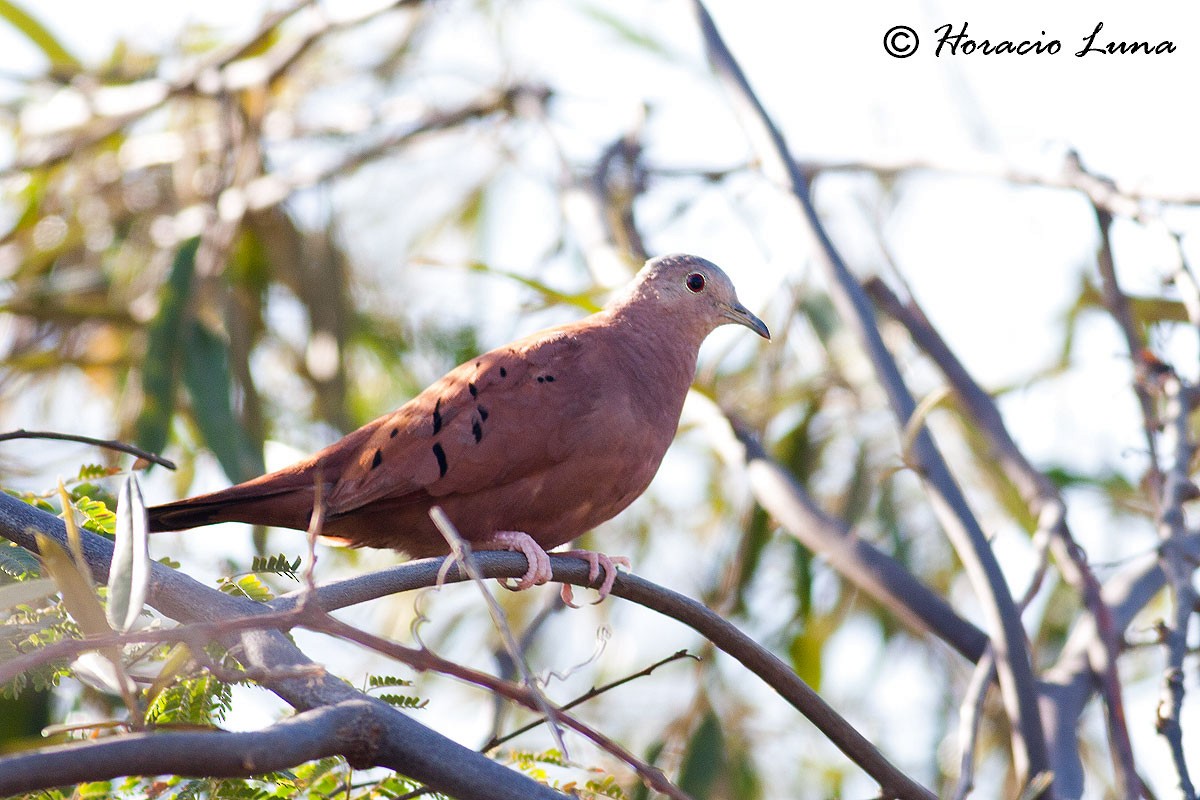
(596, 563)
(539, 571)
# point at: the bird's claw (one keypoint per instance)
(597, 562)
(539, 571)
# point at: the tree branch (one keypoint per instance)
(1178, 567)
(1046, 504)
(109, 444)
(858, 561)
(396, 741)
(723, 634)
(341, 729)
(1017, 683)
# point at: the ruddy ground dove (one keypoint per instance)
(525, 447)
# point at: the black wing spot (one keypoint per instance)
(549, 379)
(477, 364)
(437, 416)
(541, 379)
(503, 372)
(482, 413)
(471, 388)
(440, 455)
(377, 460)
(477, 429)
(394, 432)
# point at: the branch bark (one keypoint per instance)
(397, 742)
(723, 634)
(858, 561)
(1017, 683)
(342, 729)
(1046, 504)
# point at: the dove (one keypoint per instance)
(524, 448)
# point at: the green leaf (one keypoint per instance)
(704, 759)
(129, 574)
(196, 701)
(62, 62)
(624, 30)
(581, 300)
(403, 700)
(18, 562)
(375, 681)
(277, 565)
(210, 384)
(160, 370)
(250, 586)
(97, 516)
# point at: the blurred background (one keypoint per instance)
(381, 190)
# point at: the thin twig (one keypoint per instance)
(1046, 504)
(1178, 567)
(378, 735)
(1119, 306)
(462, 554)
(590, 694)
(108, 444)
(1017, 684)
(426, 660)
(970, 715)
(716, 629)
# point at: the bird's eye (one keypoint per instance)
(695, 283)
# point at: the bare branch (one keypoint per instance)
(1131, 203)
(1119, 306)
(1177, 566)
(1046, 503)
(394, 740)
(860, 562)
(970, 714)
(722, 633)
(590, 694)
(110, 444)
(339, 729)
(1017, 684)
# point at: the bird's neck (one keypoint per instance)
(660, 351)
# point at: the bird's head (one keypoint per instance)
(694, 291)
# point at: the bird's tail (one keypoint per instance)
(283, 507)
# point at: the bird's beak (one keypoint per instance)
(741, 315)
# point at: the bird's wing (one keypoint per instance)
(506, 414)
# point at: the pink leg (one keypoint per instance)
(596, 563)
(539, 563)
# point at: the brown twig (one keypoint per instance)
(1119, 306)
(426, 660)
(716, 629)
(1178, 567)
(590, 694)
(108, 444)
(1046, 504)
(1017, 683)
(379, 736)
(461, 552)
